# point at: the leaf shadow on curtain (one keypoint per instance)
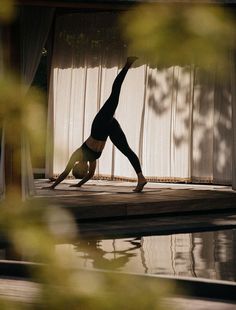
(207, 124)
(168, 110)
(222, 148)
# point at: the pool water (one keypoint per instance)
(210, 255)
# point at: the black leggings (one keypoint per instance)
(104, 123)
(118, 138)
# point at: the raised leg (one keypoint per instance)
(106, 113)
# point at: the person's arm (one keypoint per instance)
(89, 175)
(65, 173)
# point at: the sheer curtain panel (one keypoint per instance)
(35, 23)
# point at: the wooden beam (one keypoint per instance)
(113, 4)
(76, 4)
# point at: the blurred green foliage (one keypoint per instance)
(185, 34)
(7, 10)
(33, 228)
(22, 110)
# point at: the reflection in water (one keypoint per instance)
(107, 254)
(207, 255)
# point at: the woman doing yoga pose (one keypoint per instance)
(104, 125)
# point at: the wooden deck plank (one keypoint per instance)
(111, 200)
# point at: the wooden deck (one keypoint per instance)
(106, 200)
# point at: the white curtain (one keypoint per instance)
(167, 130)
(177, 120)
(35, 23)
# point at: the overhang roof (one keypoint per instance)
(76, 3)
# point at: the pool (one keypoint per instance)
(210, 255)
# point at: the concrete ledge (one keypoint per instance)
(158, 225)
(181, 286)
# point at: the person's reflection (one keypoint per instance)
(93, 251)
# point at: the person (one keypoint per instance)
(83, 160)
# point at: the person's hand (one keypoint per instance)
(75, 185)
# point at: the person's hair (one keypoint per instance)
(80, 170)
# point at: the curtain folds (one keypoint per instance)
(35, 23)
(178, 120)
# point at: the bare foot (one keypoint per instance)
(139, 187)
